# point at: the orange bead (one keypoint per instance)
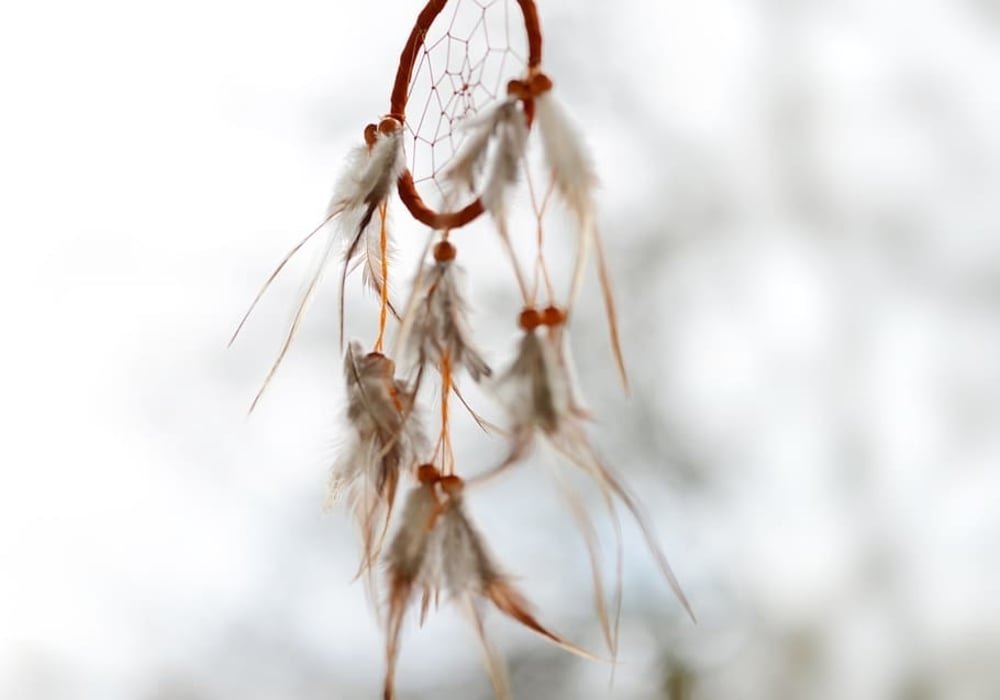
(389, 125)
(529, 319)
(540, 83)
(553, 316)
(452, 485)
(517, 88)
(427, 474)
(444, 252)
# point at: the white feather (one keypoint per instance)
(469, 162)
(366, 181)
(572, 167)
(370, 174)
(371, 274)
(575, 178)
(512, 137)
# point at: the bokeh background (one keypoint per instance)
(800, 201)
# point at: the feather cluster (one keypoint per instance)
(386, 441)
(435, 548)
(438, 328)
(365, 185)
(539, 392)
(363, 189)
(372, 170)
(494, 152)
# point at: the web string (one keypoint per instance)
(463, 66)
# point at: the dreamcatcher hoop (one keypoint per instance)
(408, 193)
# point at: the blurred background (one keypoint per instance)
(800, 203)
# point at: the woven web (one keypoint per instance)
(471, 51)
